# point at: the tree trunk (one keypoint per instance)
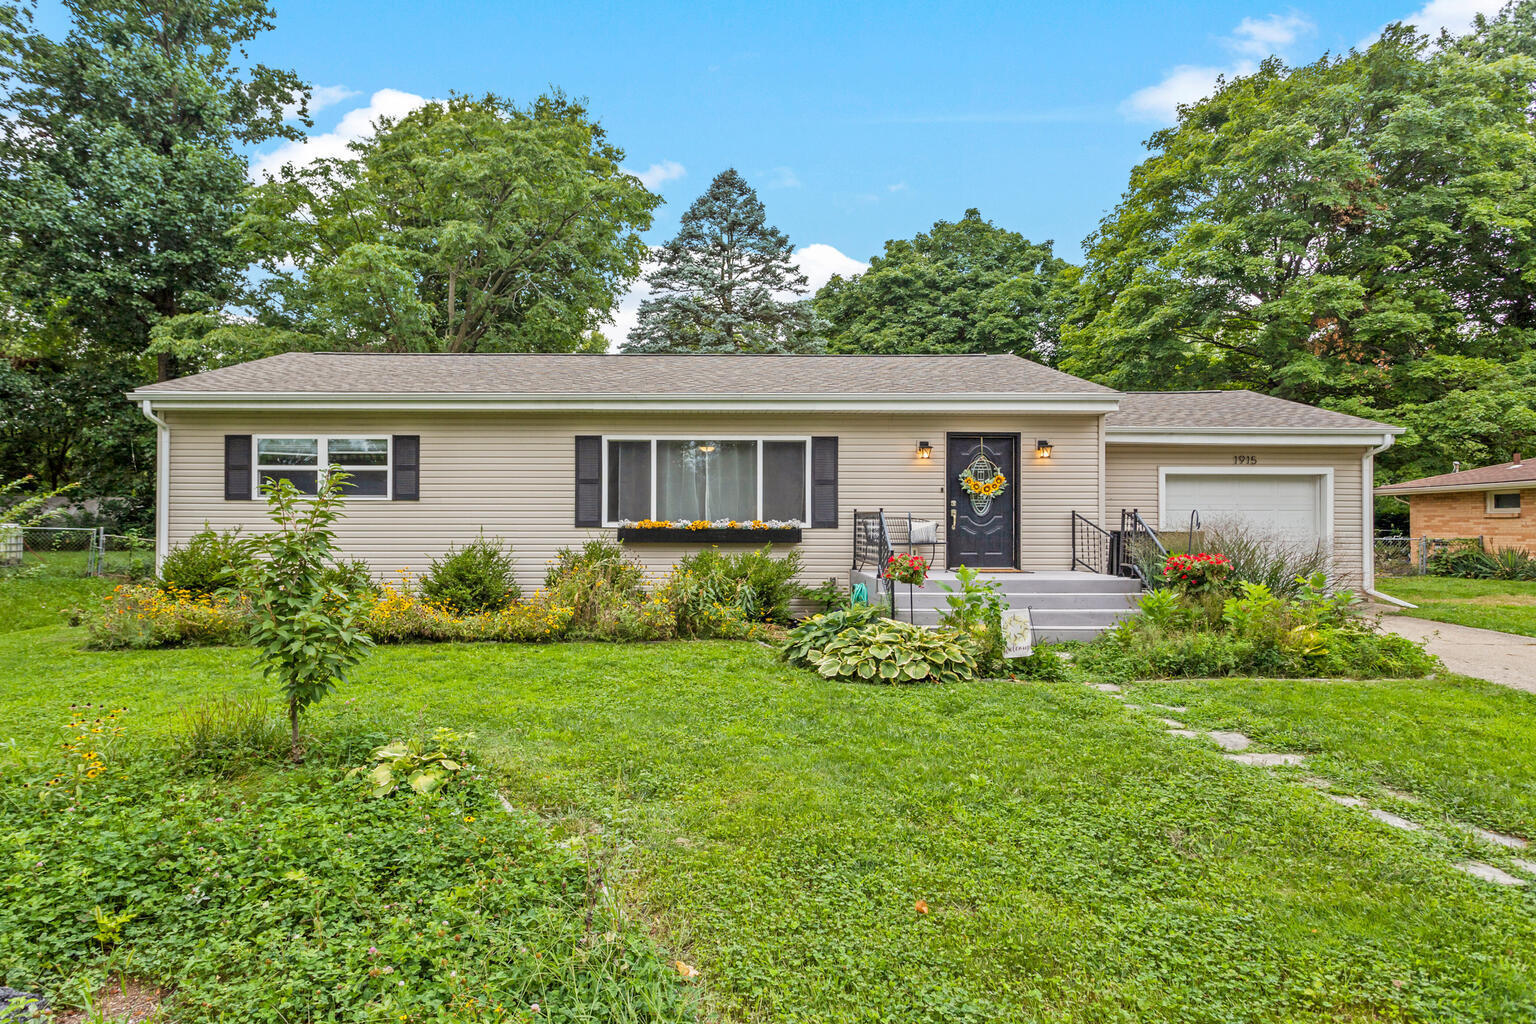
(296, 753)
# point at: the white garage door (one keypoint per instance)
(1283, 506)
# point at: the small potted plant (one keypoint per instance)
(1198, 573)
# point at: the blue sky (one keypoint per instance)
(857, 122)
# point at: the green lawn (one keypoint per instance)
(28, 601)
(1504, 605)
(1077, 863)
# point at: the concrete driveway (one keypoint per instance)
(1504, 658)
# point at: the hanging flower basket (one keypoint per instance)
(904, 568)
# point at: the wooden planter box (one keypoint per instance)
(718, 535)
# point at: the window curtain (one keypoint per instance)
(706, 480)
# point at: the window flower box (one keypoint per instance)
(700, 531)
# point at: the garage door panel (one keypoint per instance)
(1286, 506)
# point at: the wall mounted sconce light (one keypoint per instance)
(924, 450)
(1043, 449)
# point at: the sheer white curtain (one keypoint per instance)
(706, 480)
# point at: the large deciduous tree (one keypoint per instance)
(726, 282)
(962, 286)
(120, 181)
(468, 225)
(1359, 232)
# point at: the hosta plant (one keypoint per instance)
(422, 767)
(896, 652)
(806, 640)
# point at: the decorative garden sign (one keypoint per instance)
(983, 480)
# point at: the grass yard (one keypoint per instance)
(1076, 862)
(29, 600)
(1505, 605)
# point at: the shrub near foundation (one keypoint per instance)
(138, 616)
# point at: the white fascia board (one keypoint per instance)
(1300, 436)
(1508, 485)
(897, 403)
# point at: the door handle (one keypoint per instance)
(952, 515)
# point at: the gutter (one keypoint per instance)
(1367, 479)
(162, 481)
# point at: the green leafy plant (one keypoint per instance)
(423, 767)
(109, 926)
(975, 610)
(473, 579)
(828, 594)
(18, 508)
(896, 652)
(208, 563)
(759, 585)
(805, 641)
(1164, 608)
(229, 735)
(605, 590)
(308, 631)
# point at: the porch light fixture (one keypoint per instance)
(924, 450)
(1043, 449)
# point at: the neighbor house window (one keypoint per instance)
(303, 461)
(739, 479)
(1507, 502)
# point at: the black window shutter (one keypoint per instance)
(407, 467)
(237, 467)
(589, 480)
(823, 481)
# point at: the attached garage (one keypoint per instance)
(1294, 505)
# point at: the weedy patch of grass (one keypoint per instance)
(990, 851)
(1505, 605)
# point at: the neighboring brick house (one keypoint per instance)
(1496, 503)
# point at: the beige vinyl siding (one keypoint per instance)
(1131, 481)
(512, 475)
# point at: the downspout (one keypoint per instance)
(1368, 504)
(162, 482)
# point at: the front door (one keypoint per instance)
(983, 500)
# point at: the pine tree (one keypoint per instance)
(716, 285)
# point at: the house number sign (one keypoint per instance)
(1245, 460)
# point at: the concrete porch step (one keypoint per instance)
(1066, 599)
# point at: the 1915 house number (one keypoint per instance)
(1245, 460)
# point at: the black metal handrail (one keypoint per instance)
(1093, 547)
(1135, 537)
(871, 540)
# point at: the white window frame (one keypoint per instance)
(1494, 510)
(758, 439)
(323, 461)
(1323, 473)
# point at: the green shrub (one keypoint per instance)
(760, 586)
(975, 612)
(605, 590)
(807, 639)
(471, 580)
(1045, 663)
(827, 595)
(209, 562)
(353, 576)
(1514, 564)
(1464, 558)
(896, 652)
(1258, 557)
(229, 736)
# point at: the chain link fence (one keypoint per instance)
(1409, 556)
(75, 551)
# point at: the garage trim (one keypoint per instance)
(1325, 473)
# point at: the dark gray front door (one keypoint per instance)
(983, 534)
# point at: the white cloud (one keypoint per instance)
(1184, 84)
(899, 186)
(354, 124)
(658, 174)
(1260, 37)
(782, 177)
(1455, 16)
(320, 97)
(818, 262)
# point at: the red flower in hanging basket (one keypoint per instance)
(907, 568)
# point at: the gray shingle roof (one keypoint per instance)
(1468, 479)
(1232, 410)
(356, 373)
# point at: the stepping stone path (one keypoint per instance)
(1499, 838)
(1388, 818)
(1489, 873)
(1266, 760)
(1235, 743)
